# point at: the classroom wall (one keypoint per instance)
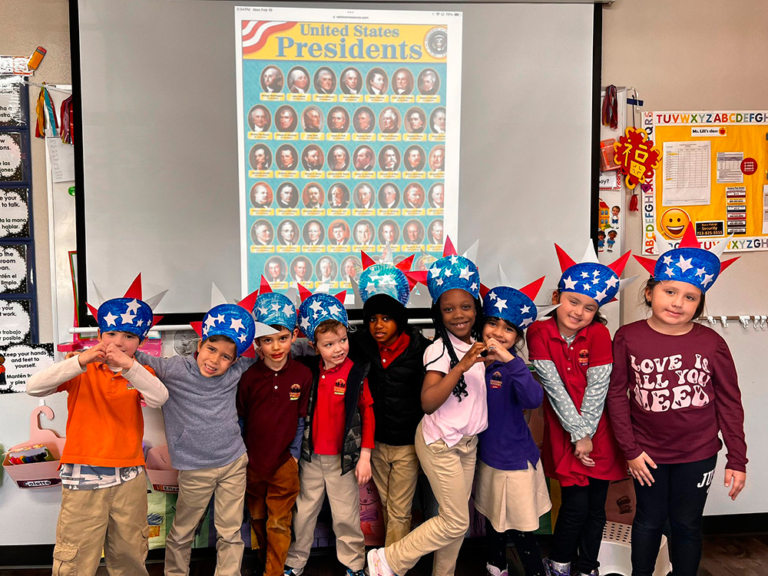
(25, 25)
(703, 55)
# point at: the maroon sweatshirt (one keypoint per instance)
(682, 391)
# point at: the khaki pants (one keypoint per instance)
(270, 501)
(450, 472)
(395, 472)
(316, 478)
(227, 484)
(114, 519)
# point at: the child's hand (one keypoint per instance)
(71, 354)
(116, 357)
(497, 352)
(472, 357)
(639, 470)
(363, 469)
(736, 481)
(583, 449)
(95, 353)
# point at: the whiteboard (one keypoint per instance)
(159, 147)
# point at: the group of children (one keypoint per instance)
(384, 402)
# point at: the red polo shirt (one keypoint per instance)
(389, 353)
(271, 404)
(591, 347)
(330, 414)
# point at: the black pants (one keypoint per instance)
(678, 494)
(525, 543)
(579, 528)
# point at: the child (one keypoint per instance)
(600, 240)
(204, 438)
(337, 439)
(615, 217)
(572, 356)
(104, 496)
(272, 399)
(394, 351)
(453, 397)
(611, 239)
(510, 489)
(683, 390)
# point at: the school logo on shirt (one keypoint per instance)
(496, 380)
(295, 392)
(340, 387)
(583, 357)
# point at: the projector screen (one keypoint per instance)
(160, 187)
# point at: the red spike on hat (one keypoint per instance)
(304, 293)
(367, 260)
(483, 290)
(156, 319)
(250, 352)
(264, 287)
(725, 263)
(197, 327)
(341, 296)
(618, 265)
(248, 302)
(449, 249)
(93, 310)
(134, 291)
(647, 263)
(532, 290)
(416, 277)
(565, 260)
(689, 238)
(406, 264)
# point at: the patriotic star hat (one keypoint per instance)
(512, 305)
(450, 272)
(385, 278)
(319, 307)
(129, 313)
(272, 308)
(689, 262)
(234, 321)
(589, 277)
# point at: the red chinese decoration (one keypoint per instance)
(636, 157)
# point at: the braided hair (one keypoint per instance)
(441, 332)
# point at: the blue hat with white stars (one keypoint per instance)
(232, 321)
(384, 279)
(125, 315)
(129, 313)
(512, 305)
(453, 272)
(317, 308)
(689, 262)
(275, 309)
(591, 278)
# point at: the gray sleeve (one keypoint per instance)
(561, 401)
(159, 365)
(598, 378)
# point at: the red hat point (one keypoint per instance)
(449, 249)
(406, 264)
(341, 296)
(248, 302)
(532, 290)
(565, 260)
(367, 260)
(304, 293)
(648, 263)
(618, 265)
(264, 287)
(689, 239)
(134, 291)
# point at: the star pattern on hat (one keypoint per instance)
(232, 321)
(110, 319)
(688, 262)
(590, 277)
(317, 308)
(451, 272)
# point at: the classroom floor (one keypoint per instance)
(723, 556)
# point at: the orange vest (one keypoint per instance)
(105, 426)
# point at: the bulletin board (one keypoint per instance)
(714, 173)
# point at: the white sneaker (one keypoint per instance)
(493, 571)
(377, 563)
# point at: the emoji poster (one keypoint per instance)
(714, 173)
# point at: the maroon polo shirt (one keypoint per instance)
(271, 404)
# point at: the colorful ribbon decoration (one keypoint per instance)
(46, 115)
(67, 121)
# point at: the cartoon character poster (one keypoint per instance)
(713, 174)
(348, 127)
